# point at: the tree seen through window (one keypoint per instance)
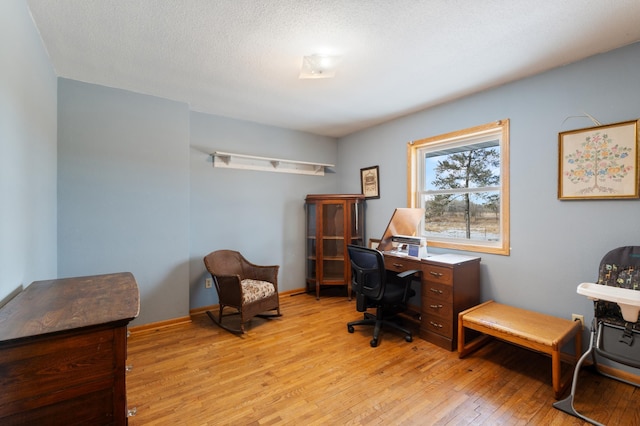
(460, 202)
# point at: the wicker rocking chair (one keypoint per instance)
(250, 289)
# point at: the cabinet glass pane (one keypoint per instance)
(311, 257)
(311, 219)
(333, 219)
(311, 241)
(333, 247)
(311, 247)
(357, 223)
(333, 269)
(311, 268)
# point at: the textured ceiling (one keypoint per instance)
(241, 58)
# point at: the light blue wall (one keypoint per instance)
(123, 192)
(27, 153)
(555, 244)
(260, 214)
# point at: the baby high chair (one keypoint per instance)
(615, 331)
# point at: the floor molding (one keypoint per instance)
(157, 326)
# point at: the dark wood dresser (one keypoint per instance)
(63, 347)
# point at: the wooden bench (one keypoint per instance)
(532, 330)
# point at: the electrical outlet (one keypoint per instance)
(576, 317)
(207, 283)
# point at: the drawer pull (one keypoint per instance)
(398, 265)
(131, 412)
(435, 306)
(435, 324)
(436, 274)
(435, 290)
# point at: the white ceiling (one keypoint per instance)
(241, 58)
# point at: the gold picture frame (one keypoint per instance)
(370, 182)
(599, 162)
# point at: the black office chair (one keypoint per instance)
(375, 287)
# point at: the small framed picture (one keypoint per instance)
(599, 162)
(374, 243)
(370, 182)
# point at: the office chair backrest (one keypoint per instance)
(620, 267)
(368, 271)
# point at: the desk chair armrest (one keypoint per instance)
(407, 277)
(405, 274)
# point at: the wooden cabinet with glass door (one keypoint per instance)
(333, 222)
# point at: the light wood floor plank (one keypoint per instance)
(305, 368)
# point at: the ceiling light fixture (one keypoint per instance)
(319, 66)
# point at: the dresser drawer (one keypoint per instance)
(46, 376)
(436, 324)
(437, 274)
(436, 292)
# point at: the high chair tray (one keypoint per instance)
(627, 299)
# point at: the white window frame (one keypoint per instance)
(416, 155)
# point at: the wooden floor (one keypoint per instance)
(304, 368)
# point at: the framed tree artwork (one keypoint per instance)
(599, 162)
(370, 183)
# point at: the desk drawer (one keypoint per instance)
(439, 308)
(437, 274)
(398, 264)
(436, 324)
(436, 292)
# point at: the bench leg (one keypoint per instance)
(460, 336)
(465, 349)
(474, 345)
(556, 373)
(556, 366)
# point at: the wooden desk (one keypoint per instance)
(63, 350)
(531, 330)
(450, 283)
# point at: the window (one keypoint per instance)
(461, 179)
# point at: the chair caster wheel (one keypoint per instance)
(374, 343)
(408, 339)
(350, 329)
